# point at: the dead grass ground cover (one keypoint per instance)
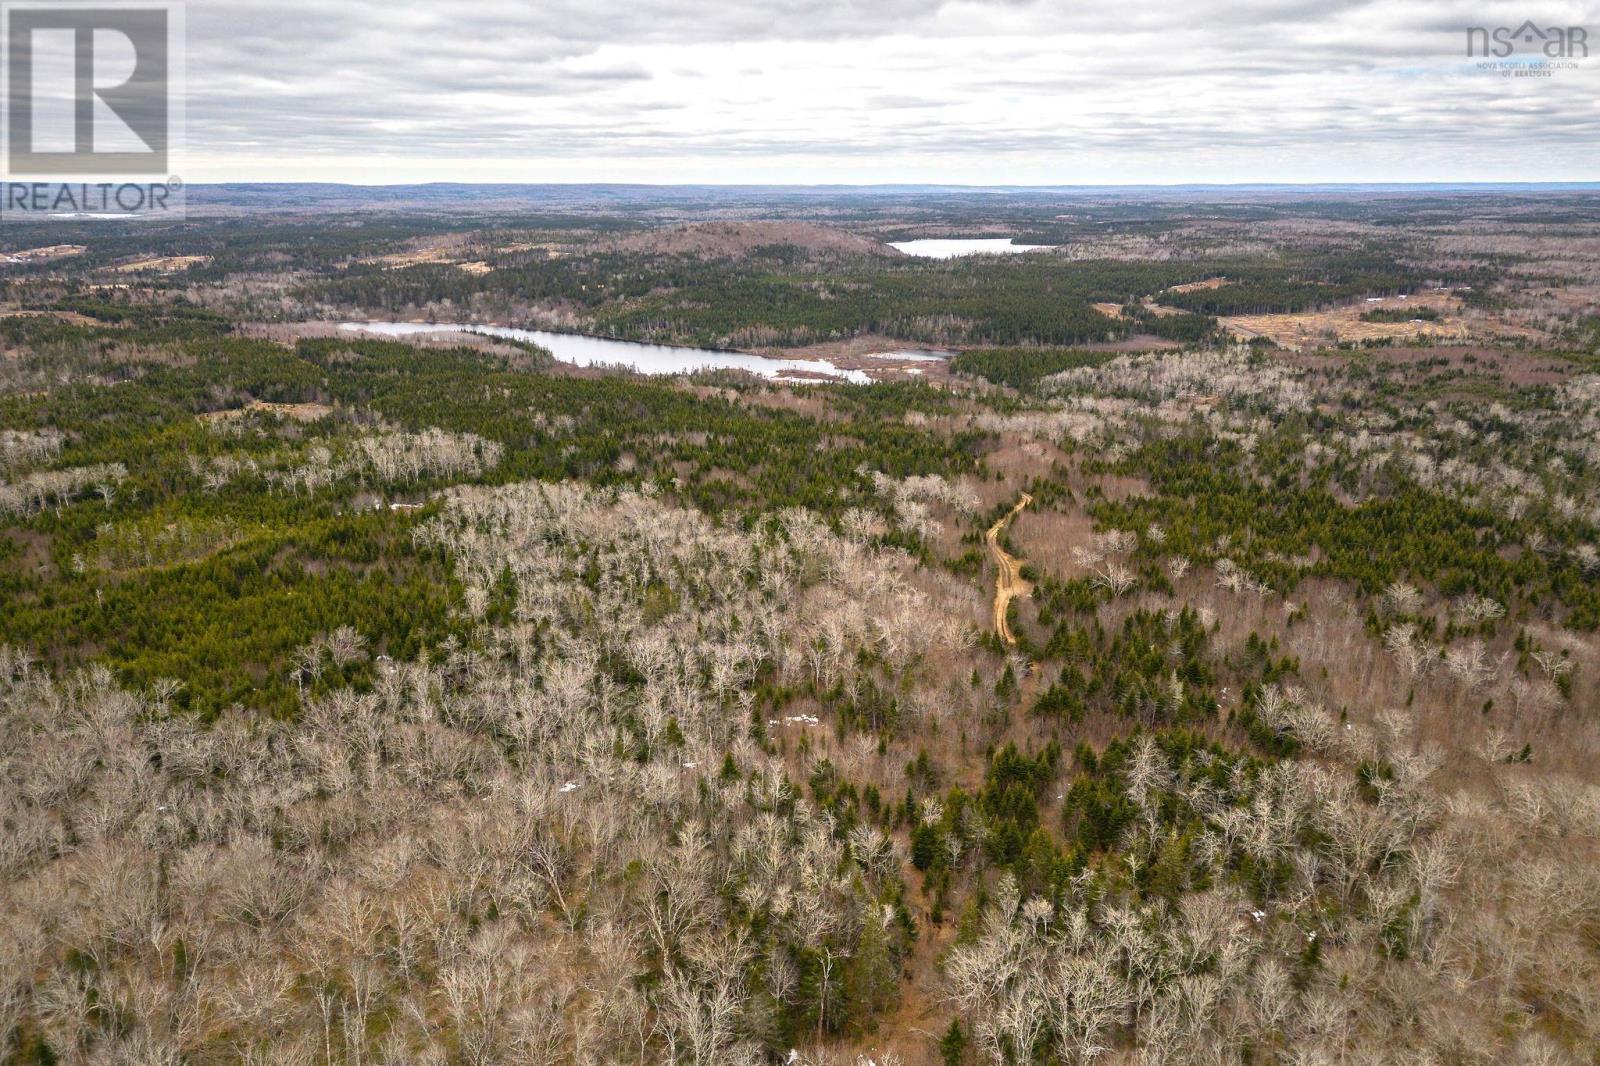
(1200, 286)
(43, 254)
(1343, 324)
(161, 264)
(296, 412)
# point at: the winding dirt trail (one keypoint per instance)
(1008, 584)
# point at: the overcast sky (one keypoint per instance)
(806, 91)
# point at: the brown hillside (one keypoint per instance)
(736, 240)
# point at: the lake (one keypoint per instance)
(949, 249)
(654, 359)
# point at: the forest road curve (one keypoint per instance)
(1009, 583)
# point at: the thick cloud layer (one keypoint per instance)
(878, 90)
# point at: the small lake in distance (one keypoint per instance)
(951, 248)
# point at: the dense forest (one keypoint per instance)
(1112, 691)
(786, 299)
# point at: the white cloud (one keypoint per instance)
(903, 90)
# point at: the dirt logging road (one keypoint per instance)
(1009, 583)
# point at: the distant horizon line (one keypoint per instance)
(1585, 184)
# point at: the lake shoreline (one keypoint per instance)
(959, 247)
(653, 359)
